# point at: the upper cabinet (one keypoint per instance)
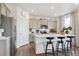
(3, 11)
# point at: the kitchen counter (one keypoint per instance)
(4, 38)
(40, 41)
(4, 46)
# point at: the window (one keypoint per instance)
(67, 21)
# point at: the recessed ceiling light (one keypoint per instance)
(52, 7)
(76, 3)
(32, 11)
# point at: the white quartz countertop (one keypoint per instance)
(4, 38)
(49, 35)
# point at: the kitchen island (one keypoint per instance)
(40, 41)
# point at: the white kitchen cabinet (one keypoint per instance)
(4, 46)
(4, 10)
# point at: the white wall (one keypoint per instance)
(58, 27)
(75, 25)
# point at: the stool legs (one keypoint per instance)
(57, 47)
(67, 47)
(47, 47)
(53, 49)
(62, 47)
(63, 50)
(71, 48)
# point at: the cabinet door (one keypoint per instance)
(3, 10)
(2, 48)
(0, 13)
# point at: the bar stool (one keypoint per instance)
(70, 42)
(62, 43)
(49, 42)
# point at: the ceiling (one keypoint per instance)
(48, 9)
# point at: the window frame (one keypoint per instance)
(64, 19)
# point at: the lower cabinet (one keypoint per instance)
(4, 46)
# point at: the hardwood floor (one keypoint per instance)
(28, 50)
